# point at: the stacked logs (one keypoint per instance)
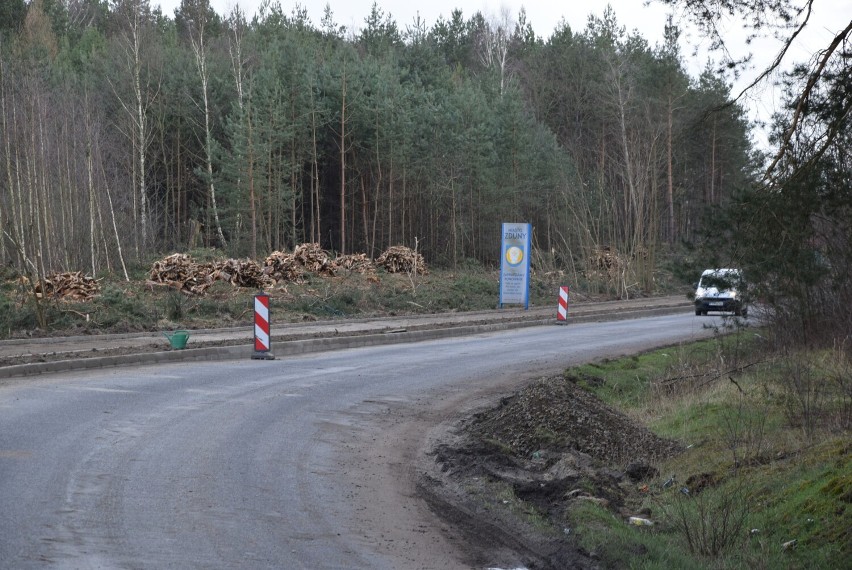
(242, 273)
(314, 259)
(306, 258)
(180, 272)
(73, 286)
(358, 262)
(604, 258)
(400, 259)
(283, 266)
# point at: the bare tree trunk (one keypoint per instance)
(453, 222)
(89, 170)
(402, 231)
(67, 202)
(670, 172)
(200, 51)
(391, 204)
(17, 196)
(235, 48)
(377, 184)
(365, 216)
(343, 162)
(142, 143)
(494, 45)
(7, 152)
(252, 196)
(294, 185)
(316, 225)
(712, 198)
(114, 225)
(633, 206)
(137, 111)
(40, 204)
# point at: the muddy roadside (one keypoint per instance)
(485, 475)
(507, 476)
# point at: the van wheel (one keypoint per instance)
(697, 312)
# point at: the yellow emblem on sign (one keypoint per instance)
(514, 255)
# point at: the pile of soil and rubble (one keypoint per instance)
(504, 470)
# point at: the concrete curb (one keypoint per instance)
(327, 343)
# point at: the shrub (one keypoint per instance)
(712, 522)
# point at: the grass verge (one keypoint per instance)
(766, 479)
(136, 305)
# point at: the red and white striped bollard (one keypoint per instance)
(261, 328)
(562, 309)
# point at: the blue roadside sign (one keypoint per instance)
(515, 265)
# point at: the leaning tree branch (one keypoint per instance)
(781, 54)
(803, 99)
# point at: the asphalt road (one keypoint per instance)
(300, 462)
(32, 356)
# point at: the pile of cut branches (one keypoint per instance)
(358, 262)
(283, 266)
(179, 271)
(242, 273)
(73, 286)
(401, 259)
(315, 259)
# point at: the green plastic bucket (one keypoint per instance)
(177, 339)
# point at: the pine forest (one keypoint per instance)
(127, 132)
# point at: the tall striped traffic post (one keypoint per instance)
(562, 310)
(261, 328)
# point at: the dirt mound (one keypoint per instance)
(512, 472)
(555, 416)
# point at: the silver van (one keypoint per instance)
(721, 290)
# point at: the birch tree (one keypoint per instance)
(197, 14)
(493, 42)
(236, 36)
(135, 16)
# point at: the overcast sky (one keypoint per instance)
(829, 17)
(544, 15)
